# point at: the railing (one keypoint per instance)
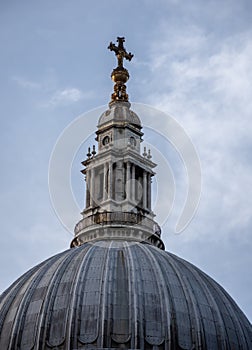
(118, 218)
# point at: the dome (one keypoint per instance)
(117, 287)
(116, 294)
(119, 112)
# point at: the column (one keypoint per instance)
(149, 192)
(133, 185)
(144, 189)
(105, 188)
(110, 180)
(92, 187)
(128, 182)
(87, 189)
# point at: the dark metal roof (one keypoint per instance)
(116, 294)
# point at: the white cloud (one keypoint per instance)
(49, 91)
(25, 83)
(67, 96)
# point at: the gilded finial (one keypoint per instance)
(120, 75)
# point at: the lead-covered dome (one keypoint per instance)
(115, 294)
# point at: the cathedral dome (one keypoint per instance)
(116, 294)
(117, 287)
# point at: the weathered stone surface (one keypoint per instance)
(115, 294)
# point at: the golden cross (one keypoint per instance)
(120, 51)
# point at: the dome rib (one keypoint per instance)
(157, 332)
(197, 284)
(191, 300)
(121, 327)
(137, 290)
(182, 318)
(133, 295)
(150, 302)
(103, 311)
(232, 312)
(73, 319)
(48, 288)
(120, 294)
(58, 297)
(107, 300)
(89, 296)
(8, 296)
(222, 304)
(15, 330)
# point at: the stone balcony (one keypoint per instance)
(117, 225)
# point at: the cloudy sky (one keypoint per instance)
(192, 61)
